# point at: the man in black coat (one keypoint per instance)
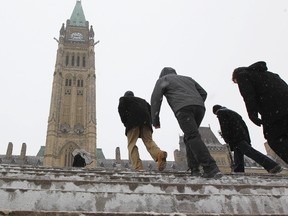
(135, 114)
(265, 93)
(235, 132)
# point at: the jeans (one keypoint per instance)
(189, 119)
(243, 148)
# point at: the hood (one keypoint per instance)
(259, 66)
(167, 71)
(238, 71)
(216, 108)
(129, 94)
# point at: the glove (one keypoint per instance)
(156, 125)
(156, 122)
(257, 121)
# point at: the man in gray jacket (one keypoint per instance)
(186, 99)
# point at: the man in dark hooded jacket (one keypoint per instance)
(265, 93)
(235, 132)
(135, 114)
(186, 99)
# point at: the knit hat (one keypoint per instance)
(129, 94)
(216, 108)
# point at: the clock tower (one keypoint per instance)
(72, 117)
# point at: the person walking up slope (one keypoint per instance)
(235, 133)
(186, 99)
(135, 114)
(265, 93)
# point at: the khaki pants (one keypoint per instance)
(146, 135)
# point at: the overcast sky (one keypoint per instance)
(204, 39)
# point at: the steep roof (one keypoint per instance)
(78, 18)
(208, 136)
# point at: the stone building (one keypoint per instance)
(72, 117)
(220, 152)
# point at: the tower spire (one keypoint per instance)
(78, 18)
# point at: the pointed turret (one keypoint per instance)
(78, 18)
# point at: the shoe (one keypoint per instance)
(238, 173)
(276, 169)
(161, 160)
(195, 172)
(213, 173)
(140, 168)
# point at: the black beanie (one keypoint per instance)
(129, 94)
(216, 108)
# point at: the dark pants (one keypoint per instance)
(280, 147)
(243, 148)
(276, 133)
(189, 119)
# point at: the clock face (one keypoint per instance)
(76, 36)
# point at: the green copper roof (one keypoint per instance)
(78, 18)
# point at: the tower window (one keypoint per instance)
(68, 92)
(73, 60)
(79, 92)
(79, 83)
(78, 61)
(68, 82)
(84, 61)
(67, 60)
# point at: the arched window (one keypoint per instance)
(68, 157)
(68, 82)
(80, 83)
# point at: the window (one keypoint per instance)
(67, 91)
(68, 82)
(80, 83)
(73, 60)
(84, 61)
(67, 60)
(78, 61)
(80, 92)
(68, 158)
